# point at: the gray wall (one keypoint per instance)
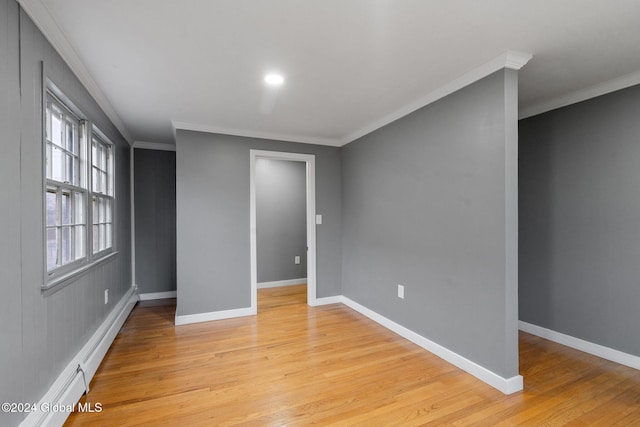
(155, 219)
(429, 202)
(580, 220)
(40, 333)
(281, 219)
(11, 365)
(213, 255)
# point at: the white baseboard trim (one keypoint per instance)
(158, 295)
(187, 319)
(505, 385)
(69, 386)
(579, 344)
(278, 283)
(327, 300)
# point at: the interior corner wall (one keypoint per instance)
(281, 220)
(155, 220)
(213, 240)
(580, 220)
(41, 333)
(429, 202)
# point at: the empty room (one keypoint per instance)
(354, 212)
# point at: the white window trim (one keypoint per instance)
(102, 138)
(61, 276)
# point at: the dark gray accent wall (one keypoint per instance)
(580, 220)
(155, 219)
(213, 253)
(281, 219)
(430, 202)
(41, 333)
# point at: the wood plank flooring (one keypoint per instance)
(298, 365)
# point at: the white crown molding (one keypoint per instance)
(514, 60)
(255, 134)
(153, 146)
(43, 19)
(509, 59)
(582, 95)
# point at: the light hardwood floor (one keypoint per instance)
(298, 365)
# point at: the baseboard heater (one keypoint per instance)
(62, 397)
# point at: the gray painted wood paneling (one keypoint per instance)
(42, 333)
(155, 211)
(11, 365)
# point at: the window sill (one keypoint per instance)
(58, 283)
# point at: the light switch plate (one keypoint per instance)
(318, 219)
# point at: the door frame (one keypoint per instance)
(310, 161)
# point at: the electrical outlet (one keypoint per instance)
(106, 296)
(400, 291)
(297, 259)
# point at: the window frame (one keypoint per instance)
(109, 196)
(60, 187)
(60, 275)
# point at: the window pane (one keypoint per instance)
(66, 208)
(95, 186)
(96, 239)
(109, 172)
(103, 182)
(49, 160)
(56, 127)
(102, 205)
(80, 238)
(79, 208)
(109, 212)
(72, 170)
(71, 136)
(66, 245)
(101, 157)
(47, 118)
(57, 164)
(102, 236)
(51, 207)
(52, 248)
(94, 210)
(108, 238)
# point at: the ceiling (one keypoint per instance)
(350, 65)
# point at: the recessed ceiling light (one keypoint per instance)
(273, 79)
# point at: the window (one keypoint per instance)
(79, 191)
(102, 198)
(66, 192)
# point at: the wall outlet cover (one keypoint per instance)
(400, 291)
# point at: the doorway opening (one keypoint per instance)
(310, 255)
